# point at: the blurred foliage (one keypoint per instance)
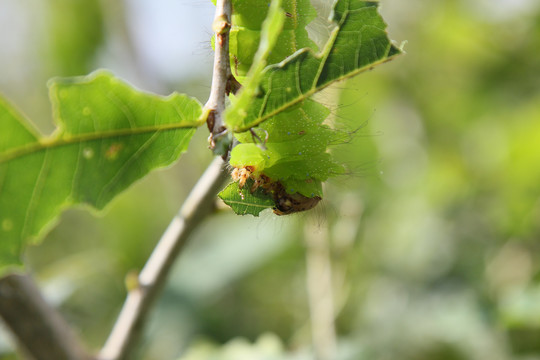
(76, 31)
(434, 235)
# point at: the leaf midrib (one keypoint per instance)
(244, 203)
(311, 92)
(67, 139)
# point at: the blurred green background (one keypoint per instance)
(433, 238)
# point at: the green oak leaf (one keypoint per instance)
(358, 42)
(109, 135)
(243, 202)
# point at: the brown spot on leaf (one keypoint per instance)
(113, 151)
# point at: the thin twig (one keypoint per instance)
(139, 301)
(40, 330)
(222, 75)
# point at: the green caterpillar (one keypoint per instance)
(247, 19)
(284, 159)
(293, 161)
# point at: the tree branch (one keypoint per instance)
(43, 333)
(40, 330)
(198, 205)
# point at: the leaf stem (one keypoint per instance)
(140, 299)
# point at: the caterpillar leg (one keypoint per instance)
(260, 181)
(241, 175)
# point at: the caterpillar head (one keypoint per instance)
(291, 203)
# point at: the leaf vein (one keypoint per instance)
(36, 194)
(125, 167)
